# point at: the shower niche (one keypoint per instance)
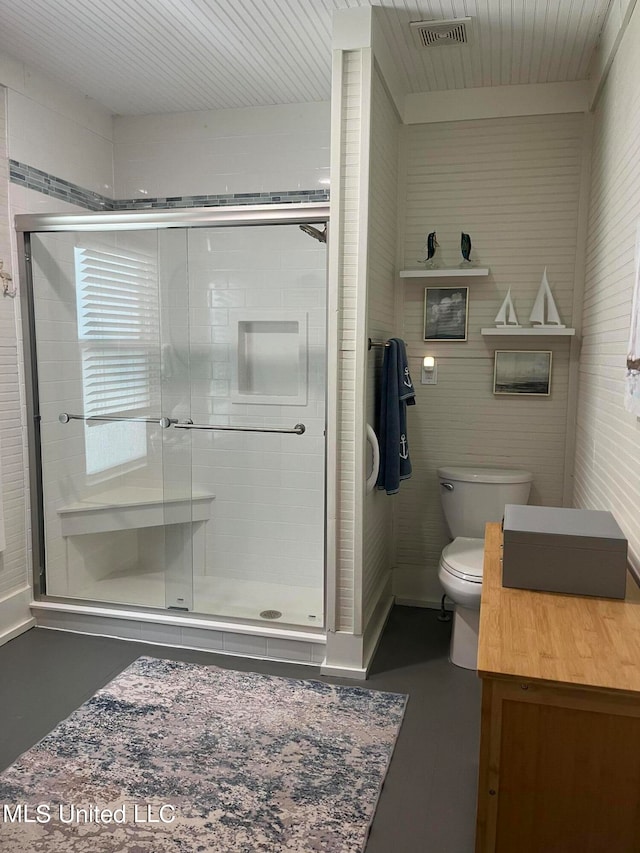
(271, 358)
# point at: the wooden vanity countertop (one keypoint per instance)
(551, 637)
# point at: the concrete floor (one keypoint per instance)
(429, 797)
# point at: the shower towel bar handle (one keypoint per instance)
(298, 429)
(372, 479)
(164, 422)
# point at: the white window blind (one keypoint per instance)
(118, 325)
(119, 335)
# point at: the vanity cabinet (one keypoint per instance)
(560, 728)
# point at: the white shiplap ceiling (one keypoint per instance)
(157, 56)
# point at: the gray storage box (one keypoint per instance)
(577, 551)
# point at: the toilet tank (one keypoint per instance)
(473, 496)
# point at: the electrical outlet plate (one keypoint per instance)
(429, 377)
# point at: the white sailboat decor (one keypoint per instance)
(506, 316)
(544, 312)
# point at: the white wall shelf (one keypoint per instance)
(455, 272)
(545, 331)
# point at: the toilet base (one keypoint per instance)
(463, 651)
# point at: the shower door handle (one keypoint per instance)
(298, 429)
(165, 423)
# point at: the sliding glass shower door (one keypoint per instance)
(258, 354)
(116, 480)
(181, 395)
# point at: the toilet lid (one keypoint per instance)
(464, 558)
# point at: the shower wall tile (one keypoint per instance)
(50, 140)
(222, 125)
(25, 200)
(289, 650)
(268, 519)
(271, 154)
(61, 131)
(245, 645)
(199, 639)
(21, 174)
(261, 149)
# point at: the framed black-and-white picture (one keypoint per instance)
(522, 372)
(445, 313)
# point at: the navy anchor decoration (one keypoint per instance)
(465, 248)
(432, 245)
(404, 447)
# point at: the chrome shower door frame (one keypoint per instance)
(112, 221)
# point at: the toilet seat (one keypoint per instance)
(464, 558)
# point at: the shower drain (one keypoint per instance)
(271, 614)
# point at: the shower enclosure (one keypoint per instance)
(176, 364)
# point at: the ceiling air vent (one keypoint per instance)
(434, 33)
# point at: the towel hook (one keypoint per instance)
(5, 278)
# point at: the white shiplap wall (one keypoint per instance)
(513, 184)
(381, 277)
(348, 235)
(13, 569)
(608, 438)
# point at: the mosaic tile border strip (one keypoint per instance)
(43, 182)
(229, 199)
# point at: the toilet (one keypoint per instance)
(470, 498)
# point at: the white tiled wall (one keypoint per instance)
(258, 149)
(269, 509)
(280, 537)
(12, 486)
(61, 131)
(57, 129)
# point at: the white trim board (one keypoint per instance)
(15, 618)
(497, 102)
(425, 603)
(617, 19)
(352, 28)
(386, 59)
(350, 655)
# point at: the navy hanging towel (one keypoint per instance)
(397, 393)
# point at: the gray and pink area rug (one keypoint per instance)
(174, 757)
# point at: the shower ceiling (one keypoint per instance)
(156, 56)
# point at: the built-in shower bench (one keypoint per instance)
(132, 507)
(174, 550)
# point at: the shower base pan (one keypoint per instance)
(226, 597)
(266, 641)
